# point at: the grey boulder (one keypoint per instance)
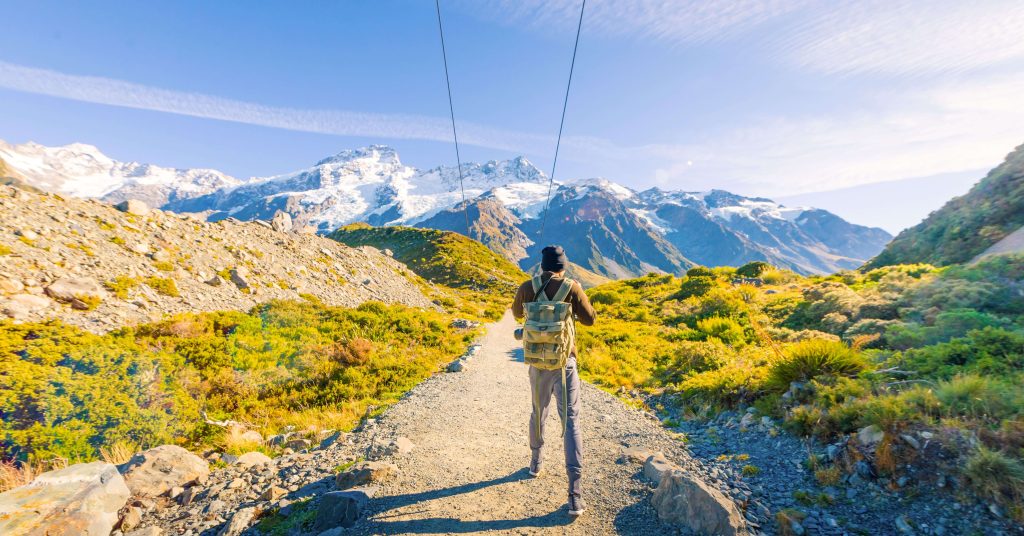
(82, 499)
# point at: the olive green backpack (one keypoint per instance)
(549, 332)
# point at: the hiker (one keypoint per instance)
(551, 304)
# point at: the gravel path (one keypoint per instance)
(467, 472)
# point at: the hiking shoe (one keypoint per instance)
(576, 505)
(535, 470)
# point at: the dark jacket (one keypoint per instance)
(581, 307)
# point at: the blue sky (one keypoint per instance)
(760, 97)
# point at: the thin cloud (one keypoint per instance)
(908, 37)
(893, 37)
(113, 92)
(674, 21)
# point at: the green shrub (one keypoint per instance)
(970, 395)
(814, 358)
(700, 271)
(164, 266)
(121, 286)
(5, 250)
(753, 269)
(996, 476)
(696, 286)
(163, 285)
(605, 298)
(726, 330)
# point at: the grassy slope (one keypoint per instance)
(903, 348)
(474, 275)
(966, 225)
(68, 393)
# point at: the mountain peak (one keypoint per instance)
(384, 154)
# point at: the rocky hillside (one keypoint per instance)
(967, 225)
(628, 233)
(99, 267)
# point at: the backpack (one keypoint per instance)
(549, 333)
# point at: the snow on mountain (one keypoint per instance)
(666, 230)
(82, 170)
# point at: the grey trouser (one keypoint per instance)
(543, 384)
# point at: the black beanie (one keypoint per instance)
(553, 259)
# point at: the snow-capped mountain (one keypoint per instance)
(608, 228)
(82, 170)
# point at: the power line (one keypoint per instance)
(561, 125)
(451, 110)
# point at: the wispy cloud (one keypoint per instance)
(896, 37)
(908, 37)
(113, 92)
(675, 21)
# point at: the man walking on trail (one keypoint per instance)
(551, 303)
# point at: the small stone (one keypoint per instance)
(250, 459)
(175, 492)
(239, 522)
(458, 365)
(656, 466)
(214, 281)
(870, 435)
(903, 525)
(146, 531)
(911, 440)
(298, 444)
(239, 276)
(236, 483)
(273, 493)
(635, 454)
(131, 519)
(366, 473)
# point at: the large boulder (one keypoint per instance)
(22, 306)
(82, 499)
(281, 222)
(342, 508)
(240, 521)
(157, 470)
(133, 206)
(70, 289)
(688, 501)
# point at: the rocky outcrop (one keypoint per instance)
(342, 508)
(100, 268)
(688, 501)
(82, 499)
(154, 472)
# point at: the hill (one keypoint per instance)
(629, 233)
(476, 274)
(967, 225)
(100, 268)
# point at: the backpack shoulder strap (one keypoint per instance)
(563, 291)
(538, 284)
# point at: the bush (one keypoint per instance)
(979, 397)
(996, 476)
(696, 286)
(605, 297)
(163, 285)
(814, 358)
(700, 271)
(726, 330)
(753, 269)
(121, 286)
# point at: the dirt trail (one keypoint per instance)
(467, 472)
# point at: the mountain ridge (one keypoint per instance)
(620, 232)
